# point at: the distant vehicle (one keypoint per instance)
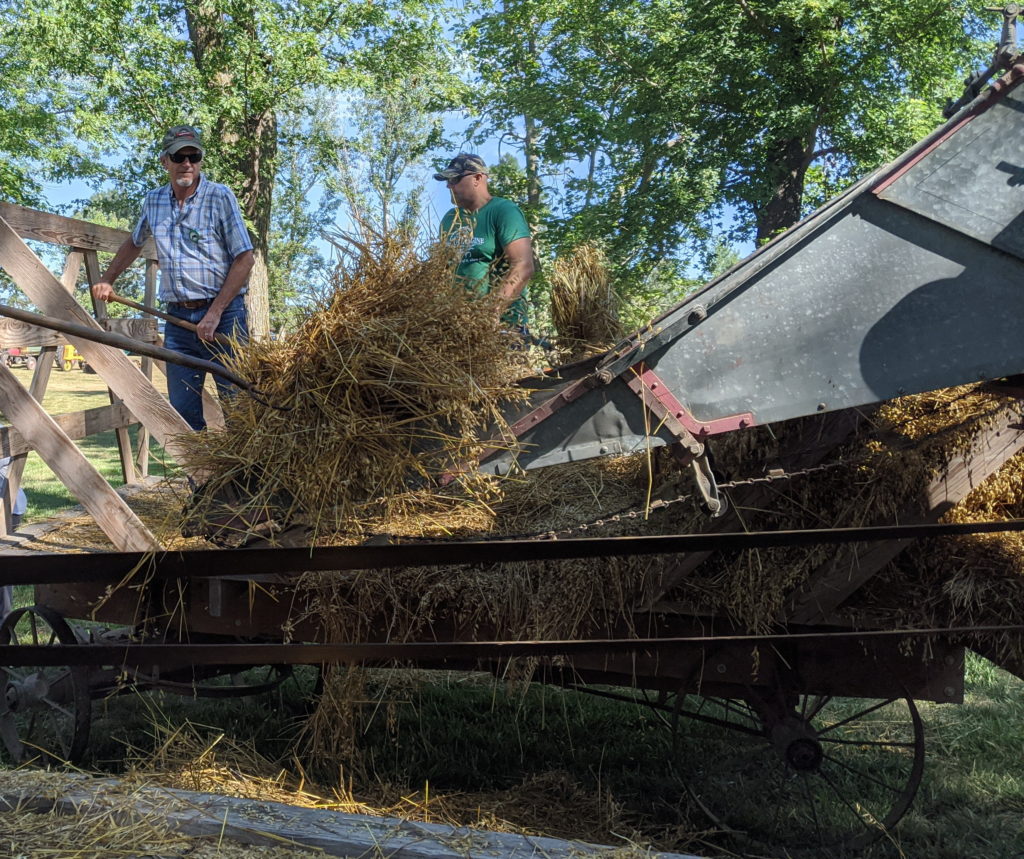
(67, 357)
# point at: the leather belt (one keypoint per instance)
(191, 305)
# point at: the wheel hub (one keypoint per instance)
(804, 755)
(25, 692)
(797, 742)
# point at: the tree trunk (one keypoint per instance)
(532, 162)
(247, 148)
(788, 162)
(257, 165)
(257, 301)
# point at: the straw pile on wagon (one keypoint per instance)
(398, 379)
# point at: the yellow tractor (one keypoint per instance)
(69, 358)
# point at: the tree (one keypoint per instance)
(229, 66)
(395, 127)
(663, 111)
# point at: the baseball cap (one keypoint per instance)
(179, 137)
(463, 164)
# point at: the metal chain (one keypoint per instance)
(773, 475)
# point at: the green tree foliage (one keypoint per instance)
(394, 129)
(231, 67)
(659, 113)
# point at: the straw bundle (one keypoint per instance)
(884, 471)
(396, 376)
(584, 306)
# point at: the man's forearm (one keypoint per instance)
(513, 283)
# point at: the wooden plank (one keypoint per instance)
(15, 334)
(138, 329)
(37, 390)
(72, 266)
(149, 298)
(273, 823)
(113, 516)
(58, 230)
(75, 425)
(124, 441)
(117, 370)
(833, 582)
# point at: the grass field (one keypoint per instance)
(538, 759)
(74, 391)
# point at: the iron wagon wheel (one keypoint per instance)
(45, 711)
(800, 773)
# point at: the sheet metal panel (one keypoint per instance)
(974, 182)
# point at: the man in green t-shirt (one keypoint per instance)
(498, 255)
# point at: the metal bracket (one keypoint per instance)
(1002, 59)
(657, 397)
(679, 420)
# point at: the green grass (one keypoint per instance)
(75, 391)
(467, 734)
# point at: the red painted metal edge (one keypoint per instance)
(664, 403)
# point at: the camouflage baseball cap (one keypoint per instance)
(463, 164)
(179, 137)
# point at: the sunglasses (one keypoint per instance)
(193, 157)
(458, 179)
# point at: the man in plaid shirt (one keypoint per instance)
(205, 257)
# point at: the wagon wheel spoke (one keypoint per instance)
(853, 809)
(866, 712)
(863, 774)
(821, 702)
(45, 710)
(886, 744)
(812, 804)
(838, 772)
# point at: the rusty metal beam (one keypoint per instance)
(42, 568)
(809, 448)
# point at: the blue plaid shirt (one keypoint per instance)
(195, 243)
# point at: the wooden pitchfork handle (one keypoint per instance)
(181, 323)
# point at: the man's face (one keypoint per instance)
(185, 174)
(465, 188)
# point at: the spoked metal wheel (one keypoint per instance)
(807, 774)
(44, 710)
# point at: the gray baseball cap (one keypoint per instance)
(463, 164)
(179, 137)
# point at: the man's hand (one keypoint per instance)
(103, 290)
(207, 327)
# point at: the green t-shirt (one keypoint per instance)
(484, 234)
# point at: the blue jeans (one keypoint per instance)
(184, 384)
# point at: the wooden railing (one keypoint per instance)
(133, 399)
